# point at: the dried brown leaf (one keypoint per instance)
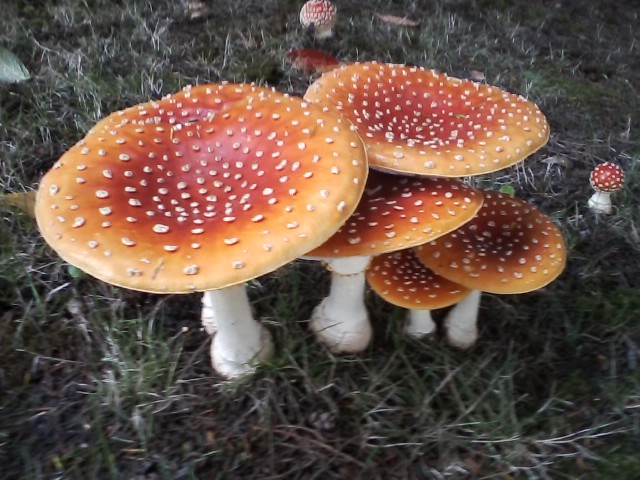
(24, 201)
(477, 75)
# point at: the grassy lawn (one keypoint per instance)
(101, 382)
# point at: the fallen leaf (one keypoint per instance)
(477, 75)
(11, 68)
(24, 201)
(395, 20)
(311, 61)
(474, 466)
(555, 160)
(196, 9)
(508, 190)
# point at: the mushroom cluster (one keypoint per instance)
(509, 247)
(395, 212)
(218, 184)
(423, 123)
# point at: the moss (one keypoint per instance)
(264, 72)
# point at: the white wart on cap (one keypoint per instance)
(204, 189)
(398, 212)
(414, 120)
(509, 247)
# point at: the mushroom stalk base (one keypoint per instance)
(240, 342)
(600, 202)
(341, 320)
(461, 323)
(419, 323)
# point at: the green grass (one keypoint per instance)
(100, 382)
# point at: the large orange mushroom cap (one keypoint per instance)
(509, 247)
(397, 212)
(419, 121)
(203, 189)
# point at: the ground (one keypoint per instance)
(101, 382)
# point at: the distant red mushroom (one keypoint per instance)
(321, 15)
(311, 61)
(605, 179)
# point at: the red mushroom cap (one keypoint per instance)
(419, 121)
(607, 177)
(403, 280)
(509, 247)
(311, 60)
(203, 189)
(397, 212)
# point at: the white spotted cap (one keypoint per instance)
(398, 211)
(414, 120)
(321, 14)
(403, 280)
(509, 247)
(204, 189)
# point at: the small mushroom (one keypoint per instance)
(403, 280)
(321, 15)
(605, 179)
(395, 212)
(419, 121)
(311, 61)
(200, 192)
(509, 247)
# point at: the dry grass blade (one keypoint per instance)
(395, 20)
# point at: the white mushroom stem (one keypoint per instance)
(341, 320)
(600, 202)
(419, 323)
(461, 323)
(240, 342)
(208, 314)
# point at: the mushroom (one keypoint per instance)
(321, 15)
(403, 280)
(395, 212)
(605, 179)
(419, 121)
(509, 247)
(204, 190)
(311, 61)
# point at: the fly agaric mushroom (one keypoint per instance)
(321, 15)
(418, 121)
(509, 247)
(403, 280)
(203, 191)
(605, 179)
(395, 212)
(311, 61)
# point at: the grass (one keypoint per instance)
(100, 382)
